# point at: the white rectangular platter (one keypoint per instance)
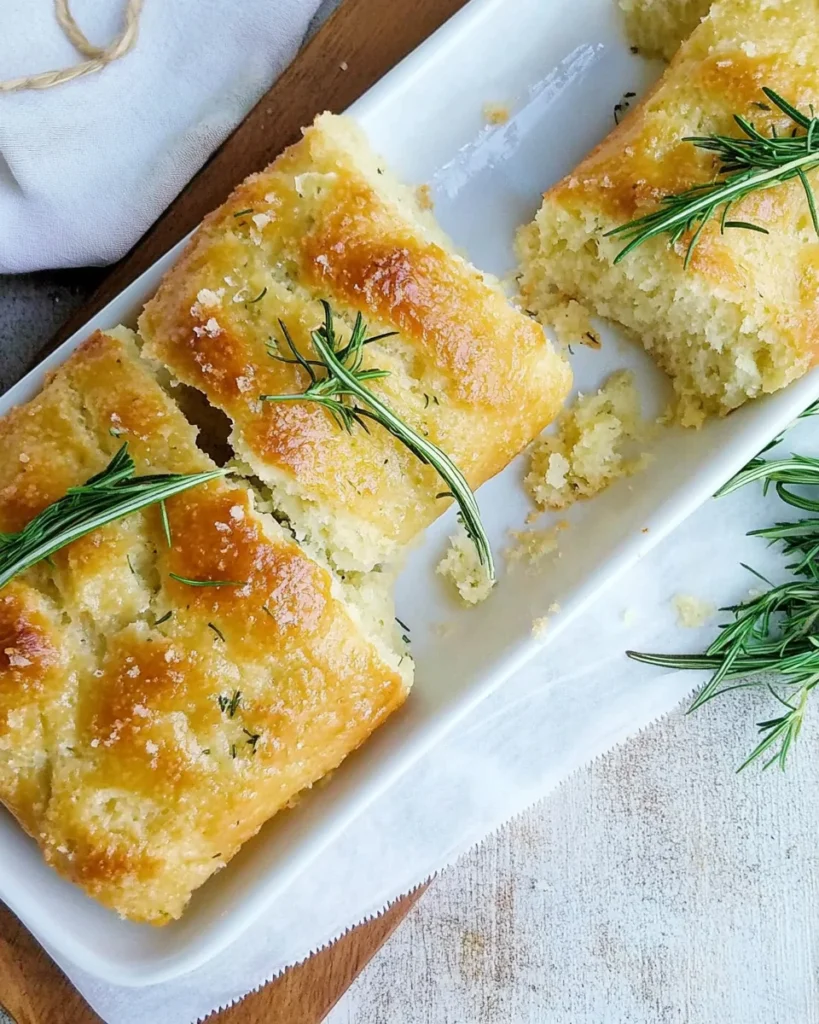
(560, 66)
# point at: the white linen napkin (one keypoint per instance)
(86, 167)
(570, 705)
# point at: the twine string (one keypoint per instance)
(98, 57)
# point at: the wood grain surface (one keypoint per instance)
(355, 48)
(35, 991)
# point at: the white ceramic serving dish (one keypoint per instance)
(560, 66)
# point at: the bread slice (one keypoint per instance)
(148, 728)
(742, 319)
(657, 27)
(327, 221)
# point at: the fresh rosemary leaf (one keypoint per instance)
(773, 639)
(748, 163)
(166, 526)
(164, 618)
(110, 495)
(229, 704)
(343, 385)
(252, 738)
(206, 583)
(217, 631)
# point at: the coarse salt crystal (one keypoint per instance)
(206, 297)
(237, 513)
(16, 660)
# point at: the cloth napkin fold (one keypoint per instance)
(86, 167)
(570, 705)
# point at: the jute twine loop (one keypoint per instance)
(98, 56)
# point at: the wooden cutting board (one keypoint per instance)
(357, 46)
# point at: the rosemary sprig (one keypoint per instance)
(773, 639)
(749, 163)
(342, 390)
(110, 495)
(206, 583)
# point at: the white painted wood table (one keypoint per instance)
(655, 886)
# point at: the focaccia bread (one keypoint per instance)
(743, 319)
(327, 221)
(657, 27)
(149, 727)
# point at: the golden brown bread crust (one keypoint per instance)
(120, 750)
(324, 221)
(768, 281)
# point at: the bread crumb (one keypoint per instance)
(462, 566)
(629, 616)
(344, 65)
(23, 457)
(554, 608)
(532, 546)
(692, 612)
(443, 629)
(540, 626)
(586, 453)
(496, 113)
(423, 194)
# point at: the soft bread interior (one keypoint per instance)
(657, 27)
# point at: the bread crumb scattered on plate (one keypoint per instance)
(462, 567)
(496, 113)
(540, 626)
(692, 612)
(532, 546)
(588, 449)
